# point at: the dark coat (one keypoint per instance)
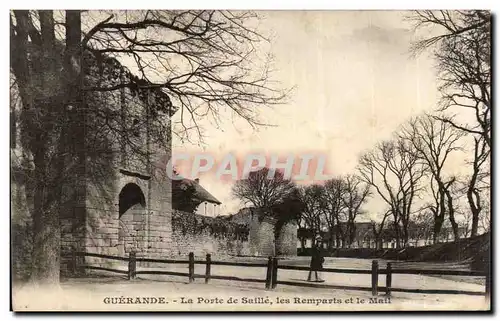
(317, 260)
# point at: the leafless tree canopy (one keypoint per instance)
(395, 171)
(462, 50)
(263, 191)
(433, 141)
(205, 60)
(463, 53)
(312, 198)
(333, 207)
(410, 172)
(356, 193)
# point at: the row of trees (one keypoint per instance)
(332, 206)
(462, 51)
(417, 177)
(416, 174)
(421, 170)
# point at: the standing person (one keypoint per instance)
(313, 263)
(317, 260)
(319, 264)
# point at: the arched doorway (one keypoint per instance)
(131, 210)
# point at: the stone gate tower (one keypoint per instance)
(119, 198)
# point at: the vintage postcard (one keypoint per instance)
(199, 160)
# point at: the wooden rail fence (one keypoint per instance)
(272, 266)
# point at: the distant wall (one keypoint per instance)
(286, 243)
(262, 236)
(206, 235)
(264, 241)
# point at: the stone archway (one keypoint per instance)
(131, 217)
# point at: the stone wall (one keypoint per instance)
(145, 229)
(205, 235)
(261, 235)
(286, 243)
(93, 223)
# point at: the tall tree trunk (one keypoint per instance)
(352, 232)
(46, 237)
(451, 213)
(475, 224)
(438, 224)
(46, 228)
(474, 207)
(338, 243)
(396, 232)
(44, 90)
(454, 227)
(405, 233)
(330, 239)
(378, 237)
(473, 195)
(439, 216)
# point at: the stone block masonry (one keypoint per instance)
(120, 201)
(261, 235)
(286, 242)
(268, 236)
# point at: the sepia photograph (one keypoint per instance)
(258, 161)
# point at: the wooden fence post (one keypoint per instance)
(374, 277)
(269, 273)
(207, 270)
(131, 265)
(274, 276)
(388, 279)
(191, 267)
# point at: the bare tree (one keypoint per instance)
(205, 61)
(465, 222)
(354, 196)
(394, 171)
(485, 217)
(481, 155)
(378, 228)
(264, 192)
(462, 50)
(434, 141)
(312, 198)
(334, 211)
(420, 227)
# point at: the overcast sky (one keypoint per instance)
(355, 83)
